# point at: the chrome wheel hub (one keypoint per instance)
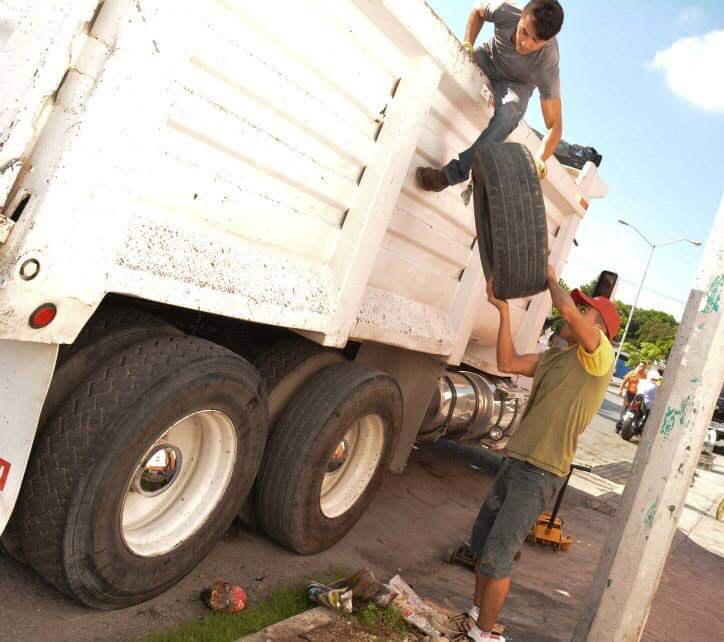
(352, 466)
(159, 471)
(178, 483)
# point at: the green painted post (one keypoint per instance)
(620, 596)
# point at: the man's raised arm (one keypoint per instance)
(475, 24)
(509, 361)
(553, 117)
(586, 334)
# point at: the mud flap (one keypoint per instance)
(25, 373)
(416, 373)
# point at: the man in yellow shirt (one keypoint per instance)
(569, 385)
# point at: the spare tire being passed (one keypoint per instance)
(510, 219)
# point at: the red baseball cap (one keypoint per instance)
(605, 307)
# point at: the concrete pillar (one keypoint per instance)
(633, 559)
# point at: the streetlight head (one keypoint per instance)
(622, 221)
(697, 243)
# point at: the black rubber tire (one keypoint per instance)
(111, 329)
(510, 219)
(74, 489)
(10, 546)
(287, 366)
(306, 434)
(627, 429)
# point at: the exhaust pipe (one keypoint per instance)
(472, 406)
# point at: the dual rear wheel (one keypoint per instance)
(152, 440)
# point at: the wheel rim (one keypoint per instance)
(352, 465)
(178, 483)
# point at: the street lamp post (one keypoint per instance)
(653, 246)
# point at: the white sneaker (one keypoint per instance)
(477, 635)
(474, 612)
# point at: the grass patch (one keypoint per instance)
(280, 604)
(387, 621)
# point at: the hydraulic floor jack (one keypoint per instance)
(548, 528)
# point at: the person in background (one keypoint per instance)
(648, 388)
(628, 388)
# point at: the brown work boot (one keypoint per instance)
(431, 180)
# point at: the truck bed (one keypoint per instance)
(256, 161)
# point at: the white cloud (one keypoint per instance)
(692, 13)
(693, 69)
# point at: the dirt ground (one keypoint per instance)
(414, 520)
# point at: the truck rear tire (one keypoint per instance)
(287, 366)
(9, 545)
(327, 455)
(510, 219)
(111, 329)
(142, 470)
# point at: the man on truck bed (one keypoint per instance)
(569, 385)
(522, 55)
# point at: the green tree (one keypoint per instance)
(651, 352)
(634, 355)
(666, 345)
(650, 326)
(623, 310)
(647, 352)
(588, 288)
(657, 330)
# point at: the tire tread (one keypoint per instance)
(297, 429)
(66, 448)
(510, 216)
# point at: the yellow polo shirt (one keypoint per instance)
(568, 388)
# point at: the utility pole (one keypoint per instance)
(619, 599)
(653, 246)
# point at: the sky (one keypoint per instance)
(643, 83)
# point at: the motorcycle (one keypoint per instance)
(634, 420)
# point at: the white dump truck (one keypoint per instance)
(219, 283)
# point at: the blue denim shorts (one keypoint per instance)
(519, 495)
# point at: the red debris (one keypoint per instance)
(224, 597)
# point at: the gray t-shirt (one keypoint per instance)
(538, 69)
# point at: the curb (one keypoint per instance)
(293, 626)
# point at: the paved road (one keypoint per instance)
(414, 520)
